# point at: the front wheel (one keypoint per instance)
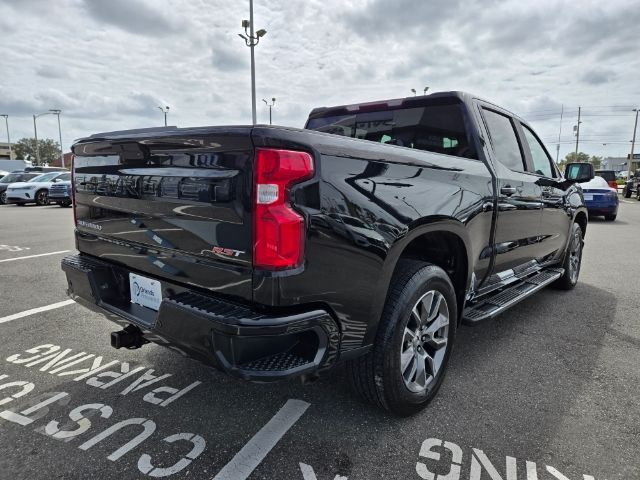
(42, 197)
(406, 366)
(572, 260)
(3, 198)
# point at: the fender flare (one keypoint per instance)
(415, 230)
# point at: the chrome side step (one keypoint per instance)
(491, 306)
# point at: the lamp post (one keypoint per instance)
(165, 110)
(35, 132)
(413, 90)
(424, 91)
(251, 41)
(273, 102)
(6, 121)
(57, 113)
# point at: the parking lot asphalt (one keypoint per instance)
(548, 390)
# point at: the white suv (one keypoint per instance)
(35, 190)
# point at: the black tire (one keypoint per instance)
(3, 198)
(572, 260)
(377, 376)
(627, 192)
(610, 218)
(64, 204)
(42, 197)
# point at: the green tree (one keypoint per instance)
(597, 161)
(573, 158)
(25, 148)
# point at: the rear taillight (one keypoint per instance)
(73, 189)
(613, 184)
(278, 228)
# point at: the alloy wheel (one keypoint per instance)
(424, 342)
(575, 255)
(43, 198)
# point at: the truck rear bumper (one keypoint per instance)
(242, 341)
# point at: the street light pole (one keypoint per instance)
(165, 110)
(273, 102)
(57, 113)
(633, 142)
(252, 41)
(6, 121)
(35, 132)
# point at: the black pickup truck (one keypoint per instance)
(367, 238)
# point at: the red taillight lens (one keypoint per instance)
(613, 184)
(278, 228)
(73, 189)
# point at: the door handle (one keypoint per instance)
(507, 190)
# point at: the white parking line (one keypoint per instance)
(33, 256)
(247, 459)
(33, 311)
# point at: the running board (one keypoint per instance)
(498, 303)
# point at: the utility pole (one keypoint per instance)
(633, 142)
(273, 102)
(559, 134)
(251, 41)
(577, 134)
(6, 121)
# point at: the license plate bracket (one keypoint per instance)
(145, 291)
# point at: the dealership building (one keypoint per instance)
(5, 152)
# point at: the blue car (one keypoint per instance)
(600, 199)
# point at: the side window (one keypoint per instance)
(504, 140)
(541, 161)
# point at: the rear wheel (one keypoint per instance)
(42, 197)
(572, 260)
(65, 204)
(406, 366)
(627, 192)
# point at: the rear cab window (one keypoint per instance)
(504, 140)
(435, 127)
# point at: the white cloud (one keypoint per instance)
(109, 65)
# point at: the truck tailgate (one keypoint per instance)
(170, 204)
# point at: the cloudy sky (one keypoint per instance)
(108, 64)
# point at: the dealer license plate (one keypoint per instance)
(588, 196)
(145, 291)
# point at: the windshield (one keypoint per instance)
(436, 128)
(12, 177)
(45, 177)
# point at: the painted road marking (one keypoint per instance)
(34, 256)
(309, 474)
(14, 248)
(33, 311)
(247, 459)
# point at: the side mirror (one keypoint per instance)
(579, 172)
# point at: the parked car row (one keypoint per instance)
(34, 186)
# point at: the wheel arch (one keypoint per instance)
(440, 241)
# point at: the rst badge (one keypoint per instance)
(225, 252)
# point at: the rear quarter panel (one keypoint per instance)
(366, 203)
